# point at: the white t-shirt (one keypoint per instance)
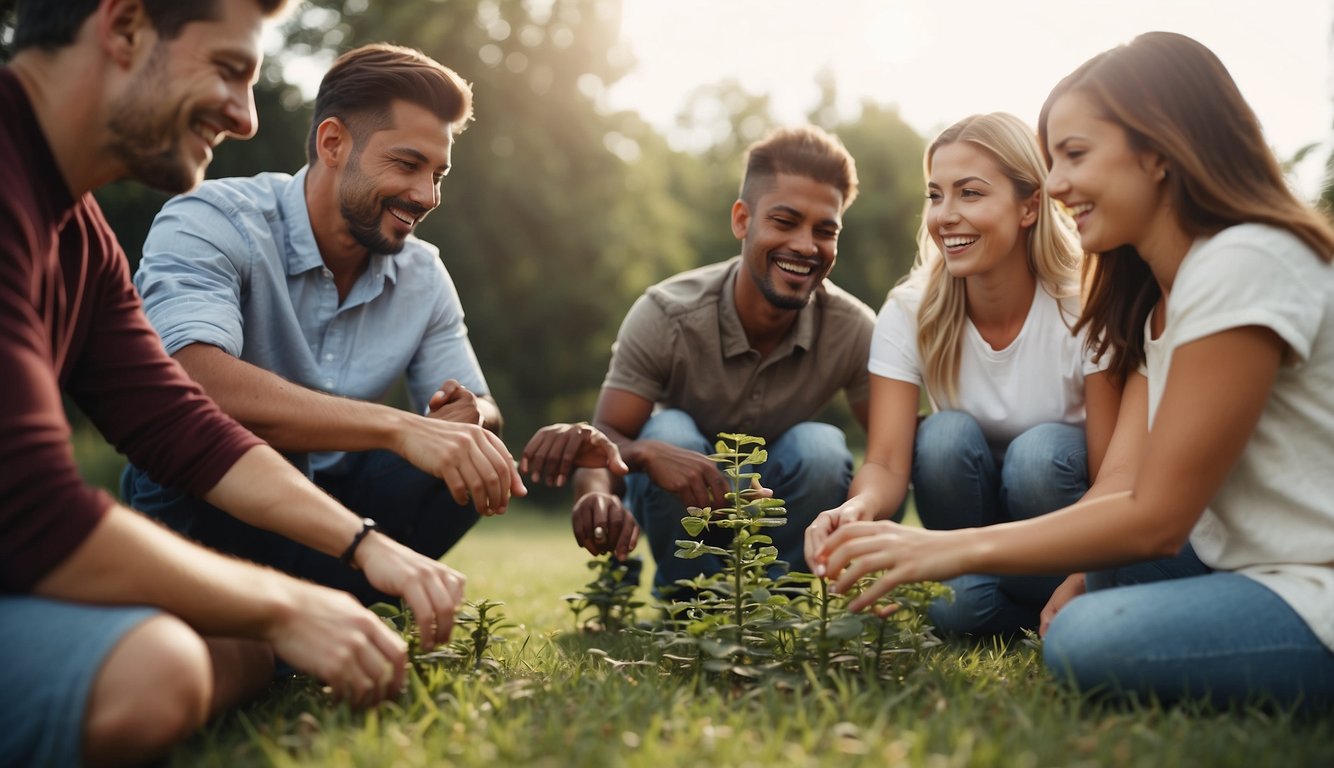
(1273, 517)
(1037, 379)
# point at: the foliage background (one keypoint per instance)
(559, 212)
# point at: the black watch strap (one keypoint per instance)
(367, 525)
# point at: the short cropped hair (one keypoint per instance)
(53, 24)
(803, 151)
(363, 84)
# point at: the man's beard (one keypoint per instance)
(363, 211)
(145, 133)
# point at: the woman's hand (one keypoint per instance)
(905, 555)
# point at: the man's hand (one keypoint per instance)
(471, 461)
(329, 634)
(602, 524)
(693, 477)
(1072, 587)
(557, 449)
(454, 402)
(433, 590)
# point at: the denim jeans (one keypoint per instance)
(1181, 631)
(958, 483)
(809, 467)
(409, 505)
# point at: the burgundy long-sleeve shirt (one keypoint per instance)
(70, 321)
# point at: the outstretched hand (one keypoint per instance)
(433, 590)
(328, 634)
(692, 477)
(556, 450)
(904, 555)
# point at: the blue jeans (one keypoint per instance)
(51, 653)
(1181, 631)
(409, 505)
(809, 467)
(958, 483)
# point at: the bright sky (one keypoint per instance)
(940, 61)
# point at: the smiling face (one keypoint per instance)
(789, 239)
(392, 179)
(974, 213)
(190, 93)
(1113, 191)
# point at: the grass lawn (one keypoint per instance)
(553, 703)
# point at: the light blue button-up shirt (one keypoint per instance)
(234, 264)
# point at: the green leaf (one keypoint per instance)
(693, 525)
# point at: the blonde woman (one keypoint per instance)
(1021, 413)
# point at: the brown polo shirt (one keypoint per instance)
(682, 346)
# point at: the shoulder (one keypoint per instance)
(841, 306)
(246, 195)
(1246, 253)
(693, 289)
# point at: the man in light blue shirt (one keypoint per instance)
(299, 301)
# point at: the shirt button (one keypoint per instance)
(328, 384)
(327, 273)
(328, 357)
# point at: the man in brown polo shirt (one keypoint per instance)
(757, 344)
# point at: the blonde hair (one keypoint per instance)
(1052, 247)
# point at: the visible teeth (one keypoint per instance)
(795, 268)
(1081, 209)
(401, 217)
(958, 242)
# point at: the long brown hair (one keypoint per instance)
(1172, 96)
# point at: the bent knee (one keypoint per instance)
(152, 692)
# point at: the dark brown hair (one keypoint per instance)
(363, 84)
(53, 24)
(804, 151)
(1173, 96)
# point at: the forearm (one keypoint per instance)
(877, 491)
(1113, 529)
(588, 480)
(264, 490)
(129, 560)
(288, 416)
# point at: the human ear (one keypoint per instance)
(740, 219)
(122, 28)
(1154, 164)
(1028, 209)
(333, 142)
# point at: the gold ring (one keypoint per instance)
(599, 534)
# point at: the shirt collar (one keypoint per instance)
(303, 254)
(734, 341)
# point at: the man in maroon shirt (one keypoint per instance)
(100, 90)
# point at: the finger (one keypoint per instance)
(718, 489)
(535, 454)
(626, 537)
(581, 520)
(844, 533)
(878, 589)
(575, 440)
(856, 559)
(490, 473)
(452, 476)
(506, 469)
(615, 462)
